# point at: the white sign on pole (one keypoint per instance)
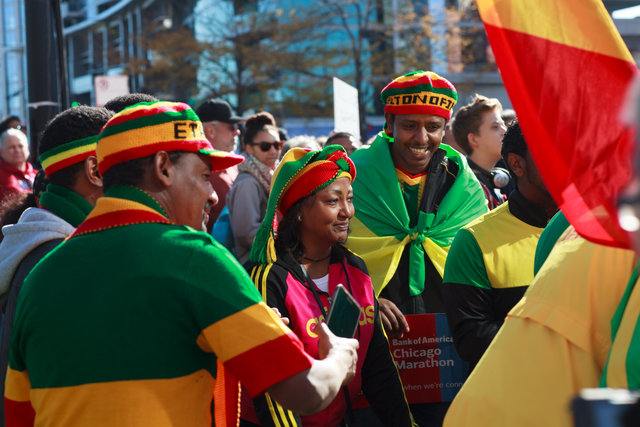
(346, 115)
(108, 87)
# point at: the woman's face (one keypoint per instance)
(325, 221)
(266, 138)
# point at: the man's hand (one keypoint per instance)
(392, 318)
(312, 390)
(337, 347)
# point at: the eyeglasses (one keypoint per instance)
(266, 146)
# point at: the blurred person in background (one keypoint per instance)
(344, 139)
(248, 196)
(16, 173)
(221, 129)
(11, 122)
(478, 129)
(301, 141)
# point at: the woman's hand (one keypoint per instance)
(392, 318)
(284, 320)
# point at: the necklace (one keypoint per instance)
(316, 260)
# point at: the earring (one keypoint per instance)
(299, 218)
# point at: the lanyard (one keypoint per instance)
(349, 418)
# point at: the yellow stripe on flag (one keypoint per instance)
(569, 22)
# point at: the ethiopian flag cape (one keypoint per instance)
(380, 228)
(566, 70)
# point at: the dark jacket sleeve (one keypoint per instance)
(269, 412)
(381, 383)
(471, 319)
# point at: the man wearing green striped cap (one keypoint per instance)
(139, 318)
(68, 157)
(411, 196)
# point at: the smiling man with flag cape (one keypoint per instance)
(412, 194)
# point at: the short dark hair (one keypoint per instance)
(70, 125)
(254, 124)
(4, 124)
(337, 135)
(132, 172)
(513, 142)
(121, 102)
(12, 206)
(469, 118)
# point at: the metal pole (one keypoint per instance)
(42, 78)
(62, 59)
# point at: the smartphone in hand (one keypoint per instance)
(344, 313)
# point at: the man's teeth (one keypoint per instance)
(418, 150)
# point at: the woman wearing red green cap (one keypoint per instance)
(300, 260)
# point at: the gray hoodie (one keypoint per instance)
(34, 227)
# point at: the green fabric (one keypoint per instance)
(132, 301)
(65, 203)
(380, 205)
(548, 239)
(465, 264)
(411, 195)
(616, 320)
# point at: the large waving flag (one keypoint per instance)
(566, 70)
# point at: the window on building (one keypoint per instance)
(98, 51)
(80, 55)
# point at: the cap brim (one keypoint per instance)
(235, 119)
(221, 160)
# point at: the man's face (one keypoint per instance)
(192, 193)
(223, 135)
(15, 151)
(416, 137)
(488, 139)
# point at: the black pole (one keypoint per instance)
(42, 78)
(63, 76)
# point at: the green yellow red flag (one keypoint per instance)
(566, 70)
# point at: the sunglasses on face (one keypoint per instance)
(266, 146)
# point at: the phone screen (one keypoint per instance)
(344, 313)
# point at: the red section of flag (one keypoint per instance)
(568, 103)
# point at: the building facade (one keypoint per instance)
(12, 62)
(144, 39)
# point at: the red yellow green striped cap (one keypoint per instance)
(301, 173)
(420, 92)
(68, 154)
(148, 127)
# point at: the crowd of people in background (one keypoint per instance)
(162, 255)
